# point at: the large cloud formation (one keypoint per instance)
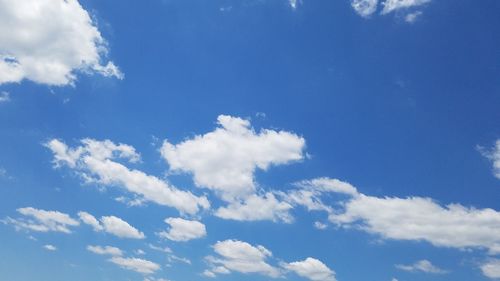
(225, 159)
(49, 41)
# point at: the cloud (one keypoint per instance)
(225, 159)
(4, 96)
(494, 155)
(293, 3)
(393, 5)
(93, 160)
(160, 249)
(364, 8)
(42, 221)
(112, 225)
(309, 193)
(138, 265)
(90, 220)
(241, 257)
(311, 269)
(183, 230)
(418, 218)
(255, 207)
(107, 250)
(319, 225)
(491, 269)
(412, 17)
(49, 42)
(422, 266)
(49, 247)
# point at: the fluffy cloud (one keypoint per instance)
(112, 225)
(93, 160)
(49, 41)
(494, 155)
(49, 247)
(393, 5)
(255, 207)
(240, 257)
(107, 250)
(422, 266)
(491, 269)
(138, 265)
(417, 218)
(225, 159)
(42, 221)
(364, 7)
(183, 230)
(311, 269)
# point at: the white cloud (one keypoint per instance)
(255, 207)
(90, 220)
(293, 4)
(393, 5)
(42, 221)
(320, 225)
(107, 250)
(179, 259)
(491, 269)
(112, 225)
(4, 96)
(183, 230)
(422, 266)
(412, 17)
(417, 218)
(139, 252)
(49, 247)
(494, 155)
(49, 41)
(138, 265)
(160, 249)
(241, 257)
(309, 193)
(311, 269)
(94, 162)
(225, 159)
(364, 8)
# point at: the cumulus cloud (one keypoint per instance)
(42, 221)
(493, 154)
(241, 257)
(364, 8)
(225, 159)
(311, 269)
(422, 266)
(491, 269)
(112, 225)
(256, 207)
(183, 230)
(49, 247)
(96, 161)
(393, 5)
(418, 218)
(135, 264)
(49, 42)
(106, 250)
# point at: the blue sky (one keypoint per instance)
(249, 140)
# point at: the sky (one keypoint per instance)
(157, 140)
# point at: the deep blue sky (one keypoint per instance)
(395, 108)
